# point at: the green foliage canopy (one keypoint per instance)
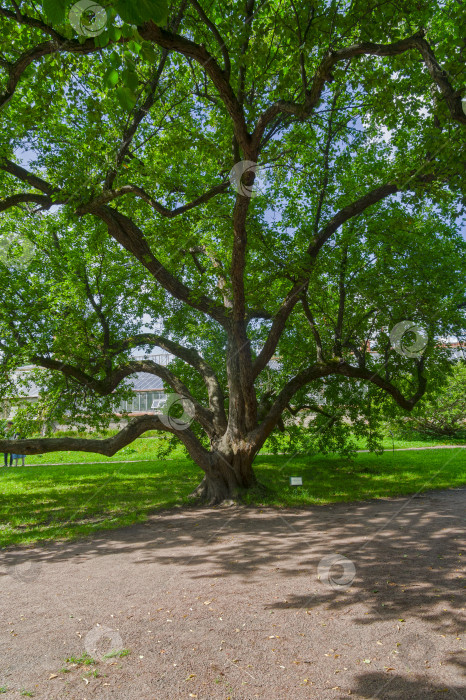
(114, 164)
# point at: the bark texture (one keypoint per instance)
(226, 477)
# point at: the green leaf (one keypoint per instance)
(102, 40)
(130, 64)
(128, 12)
(55, 10)
(126, 97)
(126, 31)
(114, 32)
(134, 46)
(142, 11)
(114, 59)
(111, 77)
(130, 79)
(148, 52)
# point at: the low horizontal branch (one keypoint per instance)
(108, 446)
(321, 370)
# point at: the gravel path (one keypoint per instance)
(227, 603)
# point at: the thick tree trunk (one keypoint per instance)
(225, 478)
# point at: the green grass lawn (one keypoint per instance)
(71, 500)
(146, 448)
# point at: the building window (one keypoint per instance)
(143, 402)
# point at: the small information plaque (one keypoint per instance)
(296, 480)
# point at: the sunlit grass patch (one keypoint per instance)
(75, 500)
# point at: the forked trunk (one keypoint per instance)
(225, 478)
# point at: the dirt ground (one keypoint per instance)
(242, 603)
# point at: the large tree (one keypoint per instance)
(116, 167)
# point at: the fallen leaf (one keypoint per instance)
(53, 675)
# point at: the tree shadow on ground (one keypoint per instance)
(405, 551)
(407, 569)
(385, 686)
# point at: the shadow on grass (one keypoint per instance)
(45, 502)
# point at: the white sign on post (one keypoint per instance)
(296, 481)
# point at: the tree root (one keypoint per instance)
(205, 494)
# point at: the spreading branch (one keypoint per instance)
(109, 195)
(326, 232)
(366, 48)
(218, 38)
(142, 111)
(108, 446)
(106, 386)
(30, 178)
(199, 53)
(125, 231)
(130, 236)
(16, 70)
(320, 371)
(17, 199)
(192, 357)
